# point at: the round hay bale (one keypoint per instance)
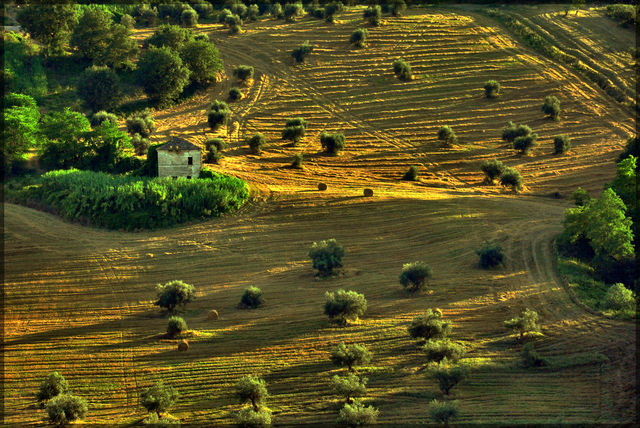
(213, 315)
(183, 345)
(322, 186)
(368, 193)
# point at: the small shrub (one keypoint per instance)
(511, 177)
(140, 144)
(156, 421)
(159, 398)
(531, 358)
(212, 155)
(326, 256)
(372, 15)
(248, 417)
(141, 123)
(448, 377)
(301, 52)
(127, 21)
(257, 142)
(402, 70)
(429, 326)
(235, 94)
(252, 298)
(65, 408)
(189, 18)
(359, 37)
(176, 326)
(54, 385)
(332, 143)
(218, 143)
(525, 323)
(561, 144)
(243, 72)
(491, 255)
(218, 115)
(174, 293)
(492, 89)
(551, 107)
(349, 386)
(294, 130)
(414, 276)
(510, 132)
(398, 7)
(443, 411)
(492, 169)
(343, 306)
(251, 389)
(298, 158)
(447, 136)
(332, 9)
(276, 11)
(350, 356)
(619, 298)
(438, 350)
(580, 197)
(357, 414)
(234, 22)
(102, 116)
(292, 11)
(411, 174)
(525, 143)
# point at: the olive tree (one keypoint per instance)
(162, 74)
(141, 123)
(292, 11)
(511, 178)
(170, 36)
(551, 107)
(443, 411)
(218, 114)
(332, 143)
(331, 9)
(449, 376)
(251, 298)
(53, 385)
(343, 306)
(510, 132)
(174, 293)
(561, 144)
(350, 355)
(65, 408)
(301, 52)
(243, 72)
(251, 389)
(447, 136)
(349, 386)
(49, 24)
(357, 414)
(294, 130)
(359, 37)
(176, 326)
(414, 276)
(429, 326)
(159, 398)
(525, 143)
(372, 15)
(326, 256)
(492, 169)
(437, 350)
(491, 255)
(402, 69)
(411, 174)
(526, 322)
(257, 142)
(492, 89)
(99, 88)
(203, 61)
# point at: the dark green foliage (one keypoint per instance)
(429, 326)
(50, 24)
(448, 377)
(332, 143)
(141, 123)
(631, 149)
(402, 70)
(54, 385)
(491, 255)
(561, 144)
(23, 70)
(63, 145)
(492, 89)
(551, 107)
(189, 18)
(212, 155)
(331, 9)
(256, 143)
(294, 130)
(357, 414)
(359, 37)
(218, 143)
(298, 158)
(350, 356)
(251, 389)
(526, 143)
(99, 88)
(202, 37)
(619, 298)
(140, 144)
(172, 11)
(128, 164)
(145, 16)
(411, 174)
(326, 256)
(102, 116)
(157, 421)
(235, 94)
(252, 12)
(170, 36)
(349, 386)
(174, 293)
(344, 306)
(222, 16)
(218, 114)
(276, 11)
(625, 185)
(510, 132)
(447, 136)
(251, 298)
(414, 276)
(292, 11)
(511, 178)
(580, 197)
(443, 411)
(301, 52)
(531, 358)
(315, 10)
(65, 408)
(438, 350)
(234, 22)
(625, 14)
(525, 323)
(243, 72)
(203, 60)
(21, 130)
(372, 15)
(492, 169)
(159, 398)
(162, 74)
(398, 7)
(250, 418)
(176, 326)
(128, 21)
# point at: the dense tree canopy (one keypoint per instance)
(203, 60)
(50, 24)
(21, 127)
(99, 88)
(162, 74)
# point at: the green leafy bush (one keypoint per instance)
(102, 116)
(257, 142)
(448, 377)
(443, 411)
(162, 74)
(218, 114)
(359, 37)
(251, 298)
(551, 107)
(525, 323)
(429, 326)
(65, 408)
(511, 178)
(491, 255)
(510, 132)
(159, 398)
(373, 14)
(402, 70)
(250, 418)
(294, 130)
(492, 169)
(54, 385)
(525, 143)
(349, 386)
(243, 72)
(141, 123)
(298, 158)
(414, 276)
(350, 356)
(326, 256)
(619, 298)
(531, 358)
(23, 69)
(357, 414)
(170, 36)
(332, 143)
(447, 136)
(202, 59)
(438, 350)
(235, 94)
(174, 293)
(411, 174)
(301, 52)
(561, 144)
(251, 389)
(343, 306)
(492, 89)
(176, 326)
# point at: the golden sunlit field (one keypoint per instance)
(79, 300)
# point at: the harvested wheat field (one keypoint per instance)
(80, 300)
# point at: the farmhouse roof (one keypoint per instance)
(178, 145)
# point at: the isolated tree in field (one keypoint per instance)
(252, 12)
(99, 88)
(332, 9)
(373, 15)
(301, 52)
(429, 326)
(159, 398)
(248, 417)
(491, 255)
(298, 158)
(235, 94)
(492, 89)
(257, 142)
(526, 143)
(217, 143)
(292, 11)
(449, 376)
(276, 11)
(251, 298)
(251, 389)
(402, 70)
(243, 73)
(492, 169)
(53, 385)
(510, 132)
(443, 411)
(65, 408)
(170, 36)
(162, 74)
(530, 357)
(511, 178)
(141, 123)
(359, 37)
(218, 114)
(332, 143)
(357, 414)
(344, 306)
(349, 386)
(203, 60)
(49, 24)
(525, 323)
(326, 256)
(398, 7)
(411, 174)
(294, 130)
(176, 326)
(561, 144)
(438, 350)
(551, 107)
(102, 116)
(174, 293)
(414, 276)
(447, 136)
(212, 155)
(619, 298)
(350, 356)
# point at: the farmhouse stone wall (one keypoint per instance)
(176, 164)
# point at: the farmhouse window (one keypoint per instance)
(190, 161)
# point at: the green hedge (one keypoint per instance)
(127, 202)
